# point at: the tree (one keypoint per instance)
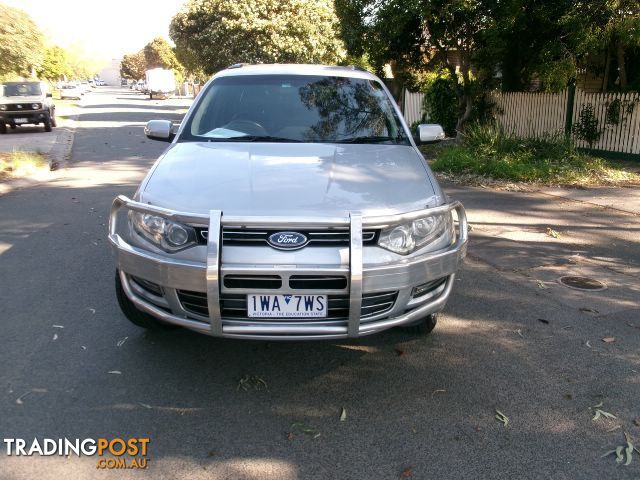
(213, 34)
(21, 43)
(420, 33)
(55, 64)
(133, 65)
(608, 33)
(159, 54)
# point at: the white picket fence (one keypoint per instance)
(530, 114)
(621, 135)
(533, 114)
(412, 106)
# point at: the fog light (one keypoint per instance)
(425, 288)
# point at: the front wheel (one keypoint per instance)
(3, 128)
(424, 327)
(54, 123)
(47, 124)
(135, 316)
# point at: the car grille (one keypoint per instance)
(317, 237)
(295, 282)
(19, 107)
(235, 306)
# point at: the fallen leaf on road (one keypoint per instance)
(609, 339)
(552, 233)
(343, 415)
(587, 343)
(501, 417)
(440, 390)
(121, 342)
(636, 422)
(254, 382)
(92, 310)
(613, 429)
(302, 428)
(542, 320)
(55, 337)
(115, 372)
(33, 390)
(588, 310)
(541, 284)
(57, 326)
(406, 473)
(623, 452)
(144, 405)
(601, 413)
(399, 352)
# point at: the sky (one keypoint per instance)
(103, 29)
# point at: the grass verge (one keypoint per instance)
(487, 155)
(20, 164)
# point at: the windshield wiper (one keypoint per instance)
(261, 138)
(367, 139)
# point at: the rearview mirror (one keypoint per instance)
(430, 133)
(162, 130)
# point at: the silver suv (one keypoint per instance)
(292, 203)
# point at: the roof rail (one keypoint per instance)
(237, 65)
(357, 67)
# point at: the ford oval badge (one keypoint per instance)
(287, 240)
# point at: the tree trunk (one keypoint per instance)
(622, 69)
(607, 69)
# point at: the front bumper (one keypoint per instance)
(366, 279)
(31, 117)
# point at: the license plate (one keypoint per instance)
(20, 120)
(286, 306)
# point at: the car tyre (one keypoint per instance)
(13, 127)
(47, 124)
(424, 327)
(135, 316)
(54, 122)
(3, 128)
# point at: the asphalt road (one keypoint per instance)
(416, 407)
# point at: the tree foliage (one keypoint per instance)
(133, 65)
(21, 43)
(159, 54)
(55, 64)
(213, 34)
(420, 34)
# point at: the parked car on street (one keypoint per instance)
(70, 90)
(292, 203)
(24, 103)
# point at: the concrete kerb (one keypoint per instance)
(58, 156)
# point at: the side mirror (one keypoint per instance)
(430, 133)
(162, 130)
(49, 95)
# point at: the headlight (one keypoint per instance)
(169, 236)
(3, 107)
(35, 106)
(410, 236)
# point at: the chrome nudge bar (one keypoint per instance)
(134, 260)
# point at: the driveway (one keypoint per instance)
(511, 339)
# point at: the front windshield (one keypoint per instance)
(21, 89)
(294, 108)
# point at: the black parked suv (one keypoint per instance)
(23, 103)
